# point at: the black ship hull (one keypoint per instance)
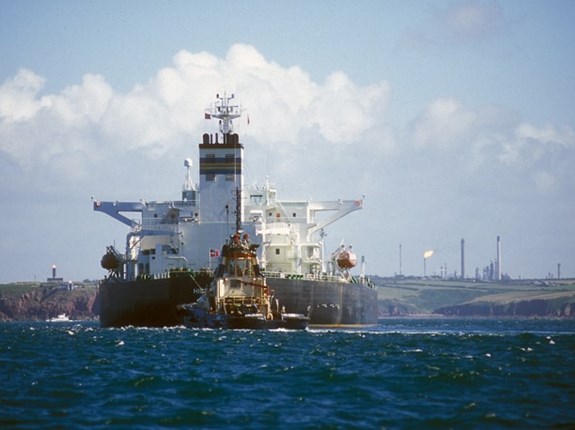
(328, 303)
(146, 302)
(153, 302)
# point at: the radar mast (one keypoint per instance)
(225, 112)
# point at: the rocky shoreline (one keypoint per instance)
(464, 298)
(40, 302)
(552, 305)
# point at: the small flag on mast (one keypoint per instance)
(214, 253)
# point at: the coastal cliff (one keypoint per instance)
(468, 298)
(536, 304)
(37, 302)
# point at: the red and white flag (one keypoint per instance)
(214, 253)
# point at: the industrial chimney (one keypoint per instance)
(498, 268)
(462, 258)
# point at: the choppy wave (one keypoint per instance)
(404, 373)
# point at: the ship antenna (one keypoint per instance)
(225, 112)
(238, 209)
(189, 183)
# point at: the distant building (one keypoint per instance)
(55, 282)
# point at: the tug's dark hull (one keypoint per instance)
(245, 322)
(153, 302)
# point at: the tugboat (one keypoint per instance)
(239, 297)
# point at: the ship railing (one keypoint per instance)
(363, 280)
(167, 274)
(155, 225)
(273, 228)
(305, 276)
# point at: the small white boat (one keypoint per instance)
(60, 318)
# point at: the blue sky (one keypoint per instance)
(453, 118)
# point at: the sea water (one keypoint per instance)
(401, 374)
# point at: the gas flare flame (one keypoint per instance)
(427, 254)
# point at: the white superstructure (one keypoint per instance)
(189, 232)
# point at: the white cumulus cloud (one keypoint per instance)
(89, 121)
(18, 97)
(163, 112)
(490, 142)
(444, 122)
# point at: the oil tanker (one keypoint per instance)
(171, 246)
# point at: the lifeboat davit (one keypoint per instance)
(346, 260)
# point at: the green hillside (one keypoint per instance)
(411, 296)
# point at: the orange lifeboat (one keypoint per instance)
(109, 261)
(346, 259)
